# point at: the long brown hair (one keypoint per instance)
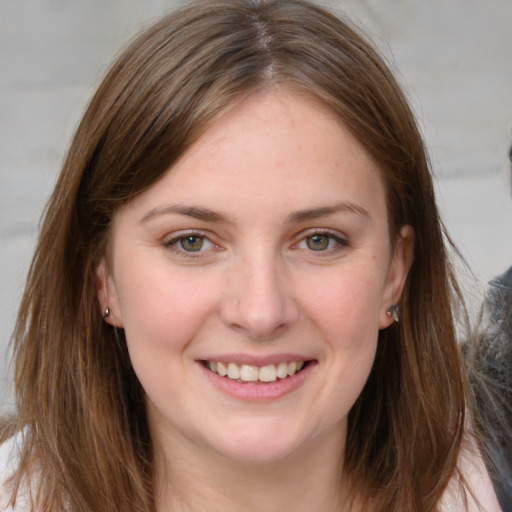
(81, 410)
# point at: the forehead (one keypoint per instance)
(276, 149)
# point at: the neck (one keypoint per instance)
(310, 480)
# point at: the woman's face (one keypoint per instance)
(252, 281)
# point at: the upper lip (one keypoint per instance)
(254, 360)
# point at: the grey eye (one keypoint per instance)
(318, 242)
(192, 243)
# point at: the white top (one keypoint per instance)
(473, 469)
(8, 461)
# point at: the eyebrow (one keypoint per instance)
(326, 211)
(190, 211)
(205, 214)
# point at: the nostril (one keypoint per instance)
(258, 303)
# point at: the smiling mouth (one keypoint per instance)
(255, 374)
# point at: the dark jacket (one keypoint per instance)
(490, 378)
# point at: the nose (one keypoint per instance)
(259, 300)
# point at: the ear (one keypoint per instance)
(107, 295)
(399, 267)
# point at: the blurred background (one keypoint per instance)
(453, 57)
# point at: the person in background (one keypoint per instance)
(490, 384)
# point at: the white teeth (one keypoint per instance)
(282, 370)
(233, 371)
(221, 369)
(292, 369)
(251, 373)
(268, 373)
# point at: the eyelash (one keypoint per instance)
(171, 244)
(341, 242)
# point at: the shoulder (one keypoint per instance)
(491, 351)
(9, 451)
(490, 380)
(477, 495)
(8, 458)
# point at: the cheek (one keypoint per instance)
(162, 309)
(346, 313)
(349, 302)
(162, 314)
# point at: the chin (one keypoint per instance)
(256, 454)
(260, 445)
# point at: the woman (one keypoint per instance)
(240, 298)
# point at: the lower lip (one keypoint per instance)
(261, 391)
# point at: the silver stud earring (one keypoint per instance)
(107, 313)
(392, 312)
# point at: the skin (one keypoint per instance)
(267, 177)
